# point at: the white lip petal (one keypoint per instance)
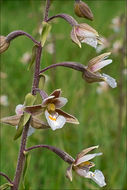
(100, 65)
(83, 173)
(111, 81)
(19, 109)
(60, 102)
(56, 121)
(87, 157)
(98, 178)
(90, 41)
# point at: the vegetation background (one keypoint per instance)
(99, 113)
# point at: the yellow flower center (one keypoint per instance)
(52, 118)
(51, 107)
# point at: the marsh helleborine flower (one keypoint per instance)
(92, 74)
(83, 33)
(82, 165)
(82, 10)
(51, 105)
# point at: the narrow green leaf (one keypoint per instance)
(26, 118)
(5, 186)
(27, 161)
(20, 128)
(32, 57)
(42, 80)
(45, 31)
(29, 99)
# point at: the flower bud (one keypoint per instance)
(82, 10)
(3, 44)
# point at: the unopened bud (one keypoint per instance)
(82, 10)
(3, 44)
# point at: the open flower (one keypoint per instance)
(83, 33)
(19, 111)
(82, 165)
(51, 105)
(92, 74)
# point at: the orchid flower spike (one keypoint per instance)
(51, 105)
(19, 111)
(92, 74)
(83, 33)
(82, 165)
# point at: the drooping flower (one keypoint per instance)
(51, 105)
(83, 33)
(92, 74)
(82, 165)
(19, 111)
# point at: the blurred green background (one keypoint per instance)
(100, 111)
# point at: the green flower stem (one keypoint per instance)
(37, 69)
(66, 157)
(72, 65)
(17, 33)
(66, 17)
(46, 10)
(21, 158)
(4, 175)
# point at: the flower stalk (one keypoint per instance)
(46, 10)
(21, 158)
(37, 70)
(5, 176)
(18, 33)
(66, 157)
(66, 17)
(72, 65)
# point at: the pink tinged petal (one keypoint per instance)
(56, 121)
(98, 178)
(47, 100)
(85, 151)
(60, 102)
(69, 118)
(19, 109)
(111, 81)
(69, 173)
(98, 59)
(87, 27)
(85, 33)
(87, 158)
(74, 37)
(100, 65)
(90, 41)
(56, 93)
